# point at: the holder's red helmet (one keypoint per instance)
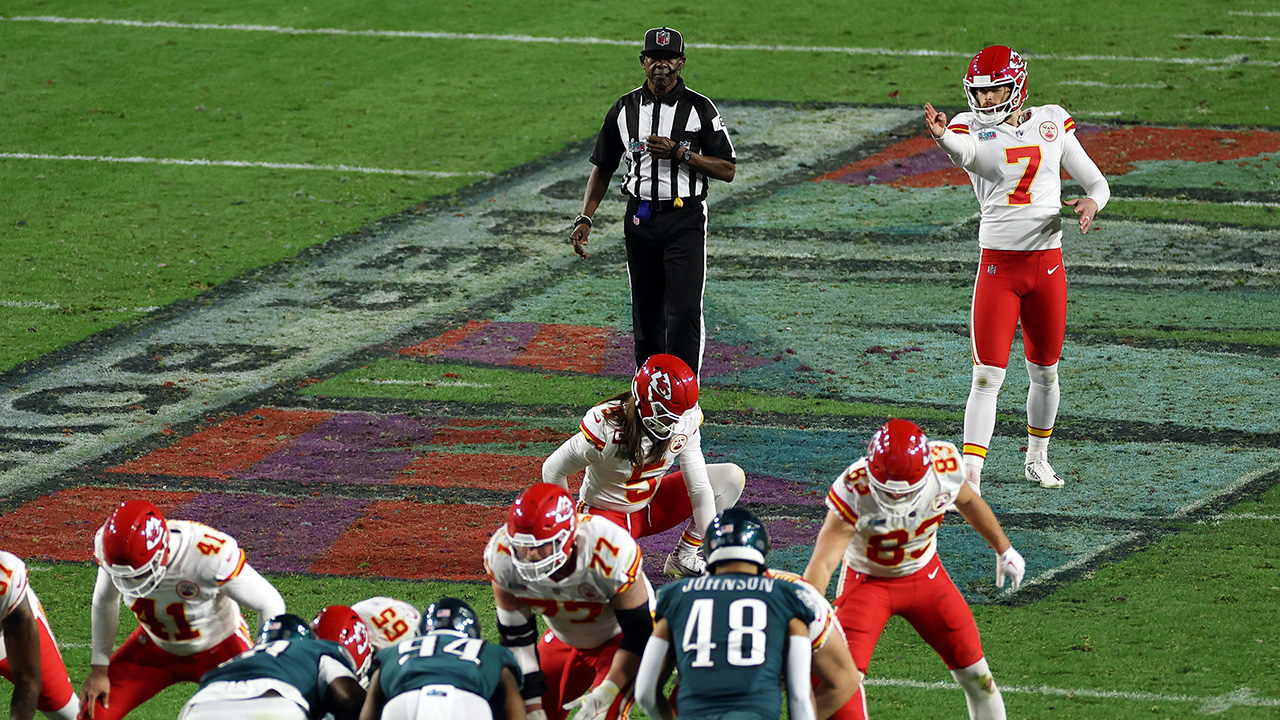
(993, 67)
(344, 626)
(664, 389)
(541, 526)
(898, 463)
(133, 547)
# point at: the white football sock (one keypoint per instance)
(980, 692)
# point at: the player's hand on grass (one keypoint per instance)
(1010, 564)
(1086, 208)
(595, 704)
(935, 119)
(96, 687)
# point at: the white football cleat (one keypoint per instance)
(1040, 471)
(684, 564)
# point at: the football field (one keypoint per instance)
(300, 273)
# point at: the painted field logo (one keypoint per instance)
(1049, 131)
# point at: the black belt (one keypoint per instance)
(661, 206)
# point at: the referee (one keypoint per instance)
(674, 140)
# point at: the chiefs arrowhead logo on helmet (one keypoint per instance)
(660, 385)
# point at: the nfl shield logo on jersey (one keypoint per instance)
(991, 269)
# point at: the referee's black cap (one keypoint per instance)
(663, 40)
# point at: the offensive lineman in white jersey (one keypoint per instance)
(628, 443)
(28, 654)
(1014, 157)
(389, 620)
(185, 582)
(583, 575)
(883, 514)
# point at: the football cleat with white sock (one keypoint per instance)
(684, 562)
(1040, 471)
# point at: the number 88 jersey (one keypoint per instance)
(887, 547)
(1016, 175)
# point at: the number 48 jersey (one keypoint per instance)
(889, 547)
(729, 633)
(1016, 174)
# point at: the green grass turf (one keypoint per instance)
(453, 105)
(1171, 620)
(91, 238)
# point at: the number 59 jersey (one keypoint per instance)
(887, 547)
(730, 633)
(187, 613)
(606, 561)
(1016, 174)
(390, 620)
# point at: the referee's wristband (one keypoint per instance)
(582, 220)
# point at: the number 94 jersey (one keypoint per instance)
(606, 561)
(888, 547)
(1016, 174)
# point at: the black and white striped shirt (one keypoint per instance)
(684, 116)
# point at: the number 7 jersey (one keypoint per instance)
(1016, 175)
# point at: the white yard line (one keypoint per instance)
(1250, 38)
(1209, 705)
(1095, 83)
(1234, 203)
(433, 35)
(242, 164)
(1252, 13)
(426, 383)
(54, 306)
(1239, 516)
(1233, 487)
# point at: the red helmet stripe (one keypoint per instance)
(846, 512)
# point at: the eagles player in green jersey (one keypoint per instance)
(447, 673)
(290, 674)
(732, 628)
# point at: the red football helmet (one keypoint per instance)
(898, 462)
(993, 67)
(342, 625)
(664, 389)
(134, 547)
(541, 527)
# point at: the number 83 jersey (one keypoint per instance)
(1016, 174)
(896, 547)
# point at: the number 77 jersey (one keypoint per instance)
(896, 547)
(1016, 175)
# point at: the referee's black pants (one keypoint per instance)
(667, 268)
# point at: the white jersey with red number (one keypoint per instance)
(577, 608)
(187, 613)
(1016, 174)
(14, 588)
(389, 620)
(611, 481)
(889, 547)
(823, 614)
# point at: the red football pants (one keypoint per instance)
(1030, 286)
(927, 599)
(55, 690)
(669, 506)
(571, 672)
(139, 670)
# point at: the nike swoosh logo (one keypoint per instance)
(935, 572)
(1055, 267)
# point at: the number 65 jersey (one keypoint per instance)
(1016, 174)
(888, 547)
(606, 561)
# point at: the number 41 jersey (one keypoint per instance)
(729, 633)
